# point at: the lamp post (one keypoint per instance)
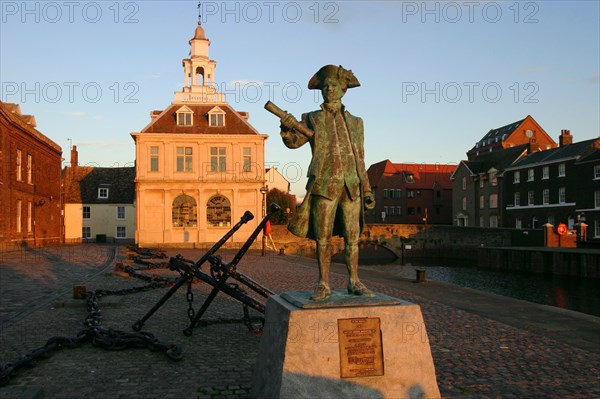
(264, 190)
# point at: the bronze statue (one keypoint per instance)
(338, 189)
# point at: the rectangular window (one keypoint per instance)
(18, 216)
(385, 210)
(545, 172)
(493, 201)
(398, 211)
(121, 232)
(184, 119)
(546, 196)
(562, 195)
(154, 158)
(464, 203)
(29, 169)
(86, 232)
(493, 221)
(530, 174)
(517, 177)
(518, 223)
(517, 199)
(481, 182)
(530, 198)
(184, 159)
(398, 193)
(481, 202)
(19, 162)
(392, 211)
(596, 199)
(247, 159)
(411, 211)
(561, 169)
(87, 213)
(121, 212)
(464, 183)
(217, 120)
(103, 192)
(29, 217)
(481, 221)
(596, 228)
(218, 159)
(386, 193)
(596, 172)
(410, 194)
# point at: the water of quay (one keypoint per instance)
(573, 293)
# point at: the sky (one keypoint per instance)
(435, 76)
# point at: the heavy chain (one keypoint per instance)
(93, 332)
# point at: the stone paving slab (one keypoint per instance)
(474, 356)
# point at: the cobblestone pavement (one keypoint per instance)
(474, 357)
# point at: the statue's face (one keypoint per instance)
(332, 90)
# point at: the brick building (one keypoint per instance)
(29, 181)
(410, 193)
(525, 131)
(477, 195)
(560, 185)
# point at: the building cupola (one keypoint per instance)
(199, 72)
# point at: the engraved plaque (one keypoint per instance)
(361, 352)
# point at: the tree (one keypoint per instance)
(285, 201)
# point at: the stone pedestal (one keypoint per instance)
(344, 347)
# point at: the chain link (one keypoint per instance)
(190, 299)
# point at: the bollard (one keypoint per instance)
(420, 276)
(79, 292)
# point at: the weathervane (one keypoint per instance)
(199, 15)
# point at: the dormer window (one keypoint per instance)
(216, 117)
(410, 178)
(103, 192)
(184, 116)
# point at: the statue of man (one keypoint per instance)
(338, 189)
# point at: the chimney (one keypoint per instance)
(74, 156)
(532, 146)
(565, 138)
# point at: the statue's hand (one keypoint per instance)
(288, 122)
(369, 201)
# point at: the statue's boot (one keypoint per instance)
(324, 259)
(355, 286)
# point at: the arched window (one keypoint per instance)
(184, 211)
(218, 211)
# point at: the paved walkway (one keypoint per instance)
(483, 345)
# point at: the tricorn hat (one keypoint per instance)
(344, 76)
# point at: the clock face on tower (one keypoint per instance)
(529, 133)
